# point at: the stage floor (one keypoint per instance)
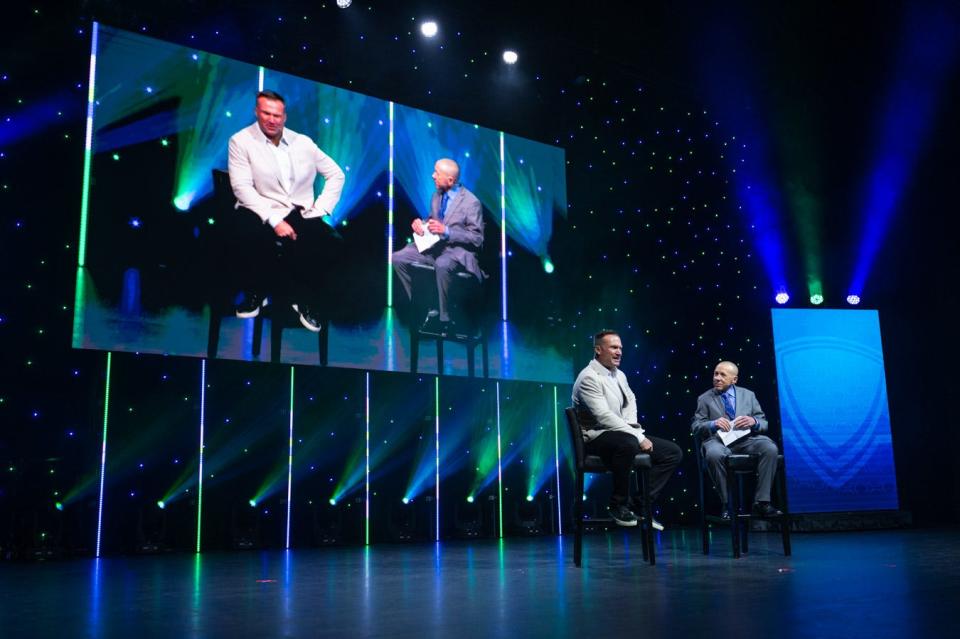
(851, 584)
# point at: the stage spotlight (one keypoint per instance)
(332, 501)
(470, 499)
(182, 202)
(253, 503)
(58, 506)
(547, 265)
(405, 500)
(782, 298)
(529, 497)
(161, 505)
(816, 299)
(853, 300)
(429, 28)
(343, 4)
(510, 57)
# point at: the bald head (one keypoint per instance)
(725, 375)
(446, 172)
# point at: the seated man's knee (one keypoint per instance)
(715, 454)
(676, 453)
(768, 447)
(445, 264)
(628, 445)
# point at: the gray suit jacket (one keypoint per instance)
(600, 407)
(255, 175)
(710, 407)
(464, 221)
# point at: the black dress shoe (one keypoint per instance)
(432, 323)
(765, 509)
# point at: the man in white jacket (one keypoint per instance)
(607, 412)
(280, 230)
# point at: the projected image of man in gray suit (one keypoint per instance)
(457, 217)
(728, 408)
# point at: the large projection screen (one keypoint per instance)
(153, 223)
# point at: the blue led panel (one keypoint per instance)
(833, 404)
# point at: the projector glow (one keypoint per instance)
(429, 29)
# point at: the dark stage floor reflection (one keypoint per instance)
(873, 584)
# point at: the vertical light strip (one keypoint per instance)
(103, 449)
(499, 469)
(366, 507)
(203, 414)
(436, 475)
(556, 460)
(259, 79)
(88, 149)
(390, 217)
(290, 461)
(503, 232)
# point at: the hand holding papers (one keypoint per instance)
(426, 240)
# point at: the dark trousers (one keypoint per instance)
(617, 450)
(282, 267)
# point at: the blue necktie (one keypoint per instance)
(443, 205)
(728, 406)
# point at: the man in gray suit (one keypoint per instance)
(728, 411)
(607, 412)
(457, 217)
(281, 237)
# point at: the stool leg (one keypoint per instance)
(785, 519)
(704, 530)
(257, 335)
(414, 351)
(648, 515)
(213, 333)
(439, 356)
(323, 341)
(745, 527)
(578, 523)
(276, 335)
(485, 354)
(734, 504)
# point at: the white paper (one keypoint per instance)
(732, 435)
(426, 240)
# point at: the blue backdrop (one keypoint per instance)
(833, 403)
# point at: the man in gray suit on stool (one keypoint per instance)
(729, 420)
(457, 218)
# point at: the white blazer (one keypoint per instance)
(255, 175)
(601, 407)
